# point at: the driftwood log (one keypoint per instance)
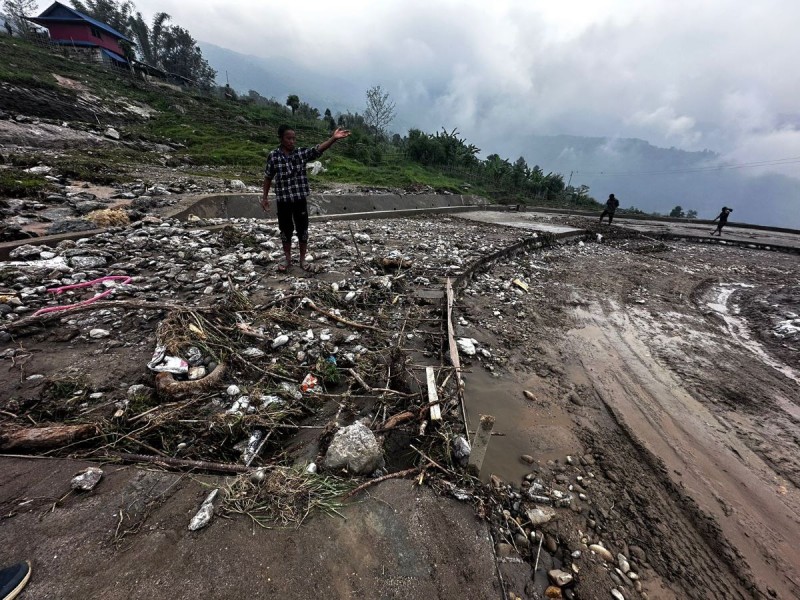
(44, 438)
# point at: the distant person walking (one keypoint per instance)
(286, 167)
(723, 220)
(611, 206)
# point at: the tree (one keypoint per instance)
(18, 10)
(293, 102)
(677, 212)
(150, 39)
(380, 110)
(181, 55)
(691, 214)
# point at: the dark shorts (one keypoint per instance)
(293, 216)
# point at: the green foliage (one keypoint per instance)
(677, 212)
(691, 214)
(14, 184)
(293, 102)
(380, 111)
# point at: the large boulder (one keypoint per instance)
(355, 448)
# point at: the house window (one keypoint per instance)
(95, 32)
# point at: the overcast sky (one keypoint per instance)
(711, 74)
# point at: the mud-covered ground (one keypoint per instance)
(662, 386)
(676, 367)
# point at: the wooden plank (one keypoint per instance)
(456, 362)
(480, 444)
(433, 397)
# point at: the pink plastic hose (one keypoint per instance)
(59, 290)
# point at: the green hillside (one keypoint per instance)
(226, 136)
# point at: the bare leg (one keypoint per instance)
(287, 252)
(303, 248)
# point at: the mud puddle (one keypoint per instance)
(538, 428)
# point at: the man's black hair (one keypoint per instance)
(283, 129)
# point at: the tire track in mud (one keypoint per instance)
(726, 480)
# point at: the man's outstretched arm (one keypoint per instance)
(337, 135)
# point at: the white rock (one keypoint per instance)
(466, 346)
(617, 594)
(354, 448)
(623, 563)
(86, 480)
(280, 341)
(112, 133)
(602, 552)
(233, 390)
(99, 333)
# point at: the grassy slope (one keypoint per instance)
(224, 138)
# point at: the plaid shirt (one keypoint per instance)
(288, 173)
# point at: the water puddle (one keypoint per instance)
(539, 428)
(739, 331)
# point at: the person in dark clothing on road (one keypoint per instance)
(611, 206)
(286, 167)
(723, 220)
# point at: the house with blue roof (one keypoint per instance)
(79, 32)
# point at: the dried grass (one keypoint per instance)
(108, 217)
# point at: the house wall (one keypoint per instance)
(82, 33)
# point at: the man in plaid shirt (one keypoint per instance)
(286, 167)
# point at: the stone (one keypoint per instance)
(527, 458)
(99, 333)
(550, 543)
(87, 262)
(24, 252)
(623, 563)
(617, 594)
(637, 553)
(233, 390)
(112, 133)
(196, 373)
(602, 552)
(280, 341)
(354, 448)
(139, 390)
(466, 346)
(86, 480)
(540, 515)
(559, 577)
(504, 550)
(553, 592)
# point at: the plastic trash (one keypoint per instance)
(309, 383)
(206, 512)
(161, 363)
(520, 284)
(252, 446)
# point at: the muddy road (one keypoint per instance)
(676, 366)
